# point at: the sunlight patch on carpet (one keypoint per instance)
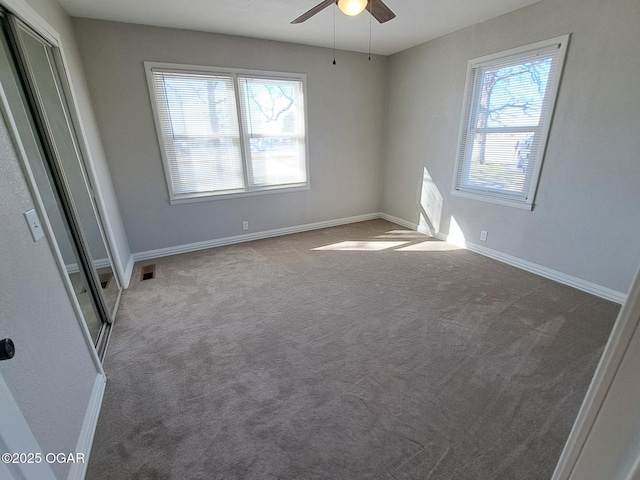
(362, 246)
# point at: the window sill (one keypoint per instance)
(489, 198)
(207, 197)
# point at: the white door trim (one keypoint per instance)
(623, 330)
(5, 111)
(16, 437)
(85, 439)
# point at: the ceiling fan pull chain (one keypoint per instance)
(369, 37)
(334, 35)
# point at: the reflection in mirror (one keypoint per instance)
(46, 189)
(42, 72)
(35, 91)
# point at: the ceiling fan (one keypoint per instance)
(376, 8)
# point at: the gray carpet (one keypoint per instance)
(355, 352)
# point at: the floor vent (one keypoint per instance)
(148, 272)
(105, 279)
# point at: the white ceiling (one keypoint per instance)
(417, 21)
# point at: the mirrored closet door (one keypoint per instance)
(38, 97)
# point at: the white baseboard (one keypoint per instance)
(545, 272)
(72, 268)
(399, 221)
(128, 271)
(88, 430)
(16, 437)
(219, 242)
(100, 263)
(575, 282)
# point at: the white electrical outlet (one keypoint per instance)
(245, 225)
(483, 235)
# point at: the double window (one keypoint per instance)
(509, 102)
(229, 132)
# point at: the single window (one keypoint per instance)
(229, 132)
(509, 102)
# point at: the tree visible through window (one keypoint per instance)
(225, 132)
(509, 104)
(274, 122)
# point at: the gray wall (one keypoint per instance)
(345, 112)
(587, 217)
(53, 13)
(586, 214)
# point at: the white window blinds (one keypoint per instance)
(508, 108)
(200, 136)
(225, 133)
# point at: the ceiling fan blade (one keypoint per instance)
(318, 8)
(380, 11)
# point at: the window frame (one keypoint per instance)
(470, 105)
(235, 73)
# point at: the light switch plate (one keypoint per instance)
(34, 224)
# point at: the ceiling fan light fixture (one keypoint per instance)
(352, 7)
